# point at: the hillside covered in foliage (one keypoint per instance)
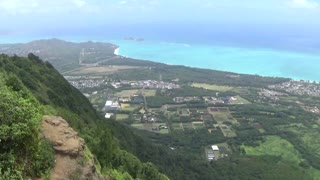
(29, 89)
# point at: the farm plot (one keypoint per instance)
(129, 107)
(100, 70)
(121, 117)
(212, 87)
(132, 92)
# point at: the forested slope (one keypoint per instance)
(30, 89)
(120, 151)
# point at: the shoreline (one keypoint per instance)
(116, 51)
(295, 77)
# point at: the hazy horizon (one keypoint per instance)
(289, 24)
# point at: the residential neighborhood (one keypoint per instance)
(298, 88)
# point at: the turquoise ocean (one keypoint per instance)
(246, 60)
(269, 60)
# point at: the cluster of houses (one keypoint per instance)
(186, 99)
(270, 94)
(299, 88)
(313, 109)
(112, 105)
(220, 100)
(159, 128)
(206, 99)
(88, 83)
(215, 152)
(147, 84)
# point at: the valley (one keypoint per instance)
(225, 124)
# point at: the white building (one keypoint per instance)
(111, 106)
(215, 148)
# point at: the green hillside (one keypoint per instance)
(30, 89)
(31, 85)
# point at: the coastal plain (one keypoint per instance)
(267, 123)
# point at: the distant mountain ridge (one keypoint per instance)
(63, 55)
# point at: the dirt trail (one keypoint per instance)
(69, 151)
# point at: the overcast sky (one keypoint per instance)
(34, 16)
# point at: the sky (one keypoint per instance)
(30, 17)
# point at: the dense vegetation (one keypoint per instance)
(122, 151)
(22, 152)
(188, 74)
(21, 114)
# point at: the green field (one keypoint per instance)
(198, 125)
(128, 93)
(129, 107)
(275, 146)
(212, 87)
(138, 126)
(149, 126)
(177, 126)
(120, 117)
(241, 100)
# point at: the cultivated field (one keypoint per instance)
(241, 100)
(212, 87)
(99, 70)
(120, 117)
(128, 93)
(149, 126)
(275, 146)
(128, 107)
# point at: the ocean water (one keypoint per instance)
(247, 60)
(280, 52)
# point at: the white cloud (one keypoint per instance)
(123, 2)
(15, 7)
(79, 3)
(308, 4)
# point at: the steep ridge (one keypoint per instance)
(70, 159)
(45, 92)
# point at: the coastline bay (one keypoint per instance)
(245, 60)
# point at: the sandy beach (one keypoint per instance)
(116, 51)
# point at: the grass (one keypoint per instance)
(128, 93)
(187, 126)
(129, 107)
(177, 126)
(149, 126)
(120, 117)
(138, 126)
(99, 70)
(212, 87)
(275, 146)
(198, 125)
(241, 100)
(220, 117)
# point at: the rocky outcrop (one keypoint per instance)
(71, 162)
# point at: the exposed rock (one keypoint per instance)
(69, 151)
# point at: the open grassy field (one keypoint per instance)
(149, 126)
(129, 107)
(177, 126)
(241, 100)
(138, 126)
(275, 146)
(99, 70)
(120, 117)
(309, 137)
(227, 131)
(187, 126)
(128, 93)
(212, 87)
(198, 125)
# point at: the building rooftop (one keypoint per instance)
(215, 148)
